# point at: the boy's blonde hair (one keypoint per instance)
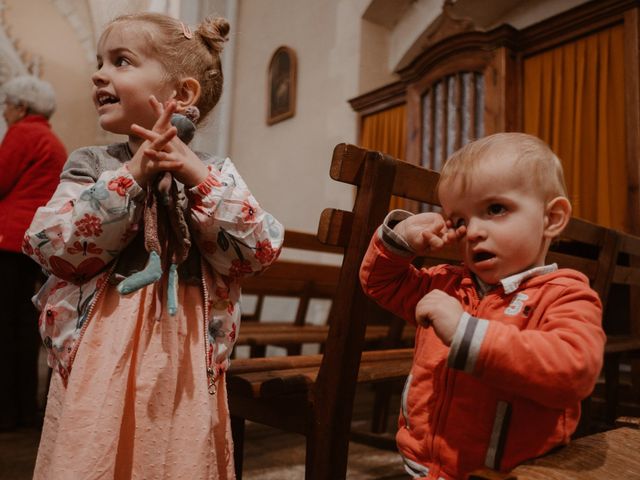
(184, 53)
(532, 157)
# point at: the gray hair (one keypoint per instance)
(35, 94)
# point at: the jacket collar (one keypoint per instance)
(511, 283)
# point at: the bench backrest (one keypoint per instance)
(376, 177)
(590, 249)
(303, 280)
(623, 312)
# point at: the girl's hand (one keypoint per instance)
(442, 311)
(142, 168)
(426, 232)
(166, 152)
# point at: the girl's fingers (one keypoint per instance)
(143, 132)
(158, 108)
(163, 113)
(152, 154)
(158, 141)
(164, 120)
(163, 160)
(162, 140)
(160, 156)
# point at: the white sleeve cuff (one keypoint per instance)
(394, 242)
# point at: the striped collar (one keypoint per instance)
(511, 283)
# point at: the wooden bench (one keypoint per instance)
(622, 322)
(590, 249)
(313, 394)
(612, 454)
(612, 263)
(303, 282)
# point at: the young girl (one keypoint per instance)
(139, 317)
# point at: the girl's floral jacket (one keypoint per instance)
(86, 238)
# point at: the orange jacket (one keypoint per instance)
(509, 387)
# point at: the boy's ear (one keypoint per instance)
(557, 215)
(187, 92)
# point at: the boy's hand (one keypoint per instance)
(426, 232)
(163, 151)
(442, 311)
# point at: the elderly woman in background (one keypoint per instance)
(31, 159)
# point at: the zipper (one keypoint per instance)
(212, 376)
(403, 402)
(448, 387)
(97, 297)
(438, 414)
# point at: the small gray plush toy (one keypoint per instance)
(163, 192)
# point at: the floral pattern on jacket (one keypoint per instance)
(95, 213)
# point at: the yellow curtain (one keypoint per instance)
(574, 100)
(386, 132)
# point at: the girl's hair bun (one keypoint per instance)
(214, 32)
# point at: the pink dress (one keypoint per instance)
(130, 395)
(137, 397)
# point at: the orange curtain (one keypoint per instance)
(386, 132)
(574, 100)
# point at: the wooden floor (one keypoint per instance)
(269, 454)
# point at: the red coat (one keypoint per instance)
(31, 159)
(509, 386)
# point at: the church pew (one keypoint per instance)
(622, 322)
(302, 282)
(314, 396)
(609, 454)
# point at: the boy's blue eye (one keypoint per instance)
(496, 209)
(121, 61)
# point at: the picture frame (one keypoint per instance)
(281, 85)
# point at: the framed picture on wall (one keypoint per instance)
(281, 85)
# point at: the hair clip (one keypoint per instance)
(186, 31)
(192, 113)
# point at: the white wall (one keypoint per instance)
(286, 165)
(43, 31)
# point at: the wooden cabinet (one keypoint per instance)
(466, 83)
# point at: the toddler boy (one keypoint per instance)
(509, 346)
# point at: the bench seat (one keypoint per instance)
(283, 334)
(276, 376)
